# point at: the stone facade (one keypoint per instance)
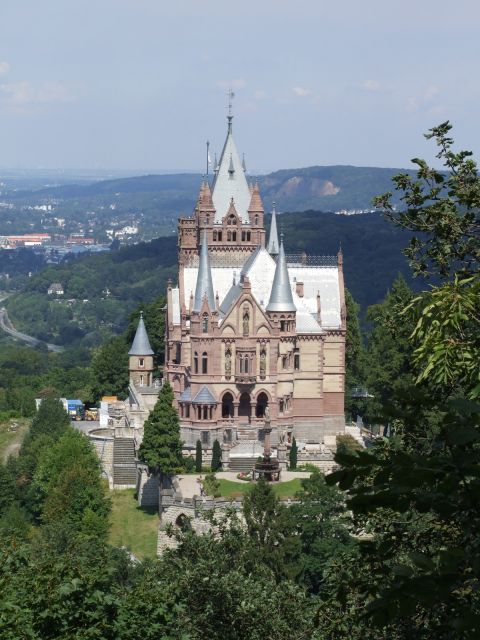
(234, 358)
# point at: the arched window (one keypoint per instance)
(227, 405)
(229, 236)
(262, 403)
(205, 323)
(207, 219)
(204, 362)
(234, 236)
(214, 235)
(256, 219)
(195, 362)
(205, 413)
(219, 236)
(231, 220)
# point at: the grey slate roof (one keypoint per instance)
(230, 182)
(281, 298)
(186, 395)
(204, 285)
(273, 244)
(204, 396)
(141, 343)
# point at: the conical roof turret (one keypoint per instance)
(204, 285)
(256, 204)
(273, 245)
(281, 298)
(141, 343)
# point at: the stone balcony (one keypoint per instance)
(245, 379)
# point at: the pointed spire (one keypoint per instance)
(272, 247)
(141, 343)
(204, 286)
(244, 166)
(281, 298)
(230, 181)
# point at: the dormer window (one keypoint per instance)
(231, 220)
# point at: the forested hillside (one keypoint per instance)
(101, 290)
(155, 202)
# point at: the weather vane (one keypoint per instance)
(231, 96)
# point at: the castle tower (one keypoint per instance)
(141, 357)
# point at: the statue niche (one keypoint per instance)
(246, 323)
(228, 363)
(263, 363)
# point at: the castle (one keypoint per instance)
(251, 332)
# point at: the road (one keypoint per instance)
(7, 326)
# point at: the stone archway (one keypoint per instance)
(262, 404)
(245, 407)
(227, 405)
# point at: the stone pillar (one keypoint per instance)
(282, 455)
(235, 409)
(225, 456)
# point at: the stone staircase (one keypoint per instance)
(246, 433)
(241, 464)
(124, 468)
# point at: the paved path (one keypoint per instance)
(190, 486)
(8, 327)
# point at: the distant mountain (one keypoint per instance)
(327, 188)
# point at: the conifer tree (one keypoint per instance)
(216, 456)
(161, 448)
(293, 454)
(198, 457)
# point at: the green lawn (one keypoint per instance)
(11, 436)
(132, 526)
(231, 489)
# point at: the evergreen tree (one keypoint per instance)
(354, 353)
(390, 351)
(198, 457)
(293, 454)
(7, 489)
(51, 420)
(110, 368)
(161, 448)
(216, 457)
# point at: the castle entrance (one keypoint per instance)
(262, 403)
(227, 405)
(245, 408)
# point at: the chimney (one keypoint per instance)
(299, 289)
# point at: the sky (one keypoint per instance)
(141, 85)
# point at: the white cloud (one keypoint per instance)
(260, 95)
(301, 92)
(4, 68)
(21, 94)
(371, 85)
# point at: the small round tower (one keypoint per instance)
(141, 357)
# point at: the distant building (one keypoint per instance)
(55, 289)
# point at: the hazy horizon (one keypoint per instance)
(139, 85)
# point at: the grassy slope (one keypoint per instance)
(11, 436)
(133, 527)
